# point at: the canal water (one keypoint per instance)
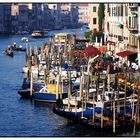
(20, 117)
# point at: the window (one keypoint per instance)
(121, 10)
(94, 9)
(94, 20)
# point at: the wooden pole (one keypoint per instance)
(114, 113)
(57, 84)
(125, 96)
(81, 84)
(102, 103)
(31, 84)
(81, 91)
(117, 89)
(61, 89)
(108, 77)
(75, 103)
(69, 90)
(133, 106)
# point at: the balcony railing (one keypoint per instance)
(133, 5)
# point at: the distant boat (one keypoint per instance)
(9, 51)
(25, 39)
(39, 34)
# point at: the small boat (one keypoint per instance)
(46, 95)
(25, 39)
(9, 51)
(39, 34)
(15, 47)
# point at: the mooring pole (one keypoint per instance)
(31, 84)
(114, 113)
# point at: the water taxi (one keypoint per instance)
(39, 34)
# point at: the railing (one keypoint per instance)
(132, 5)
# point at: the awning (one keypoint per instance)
(91, 50)
(125, 53)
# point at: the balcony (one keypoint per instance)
(133, 30)
(133, 7)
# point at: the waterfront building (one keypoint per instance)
(14, 14)
(47, 18)
(74, 16)
(65, 15)
(69, 15)
(134, 28)
(1, 19)
(6, 16)
(23, 18)
(55, 11)
(83, 17)
(122, 27)
(93, 16)
(36, 16)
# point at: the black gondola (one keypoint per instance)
(9, 51)
(17, 48)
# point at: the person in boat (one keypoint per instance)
(20, 46)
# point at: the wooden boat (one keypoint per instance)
(9, 51)
(39, 34)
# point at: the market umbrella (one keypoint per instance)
(91, 50)
(125, 53)
(102, 49)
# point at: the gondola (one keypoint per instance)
(16, 47)
(9, 51)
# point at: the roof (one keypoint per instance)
(125, 53)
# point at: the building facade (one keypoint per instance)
(93, 16)
(83, 13)
(6, 15)
(122, 28)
